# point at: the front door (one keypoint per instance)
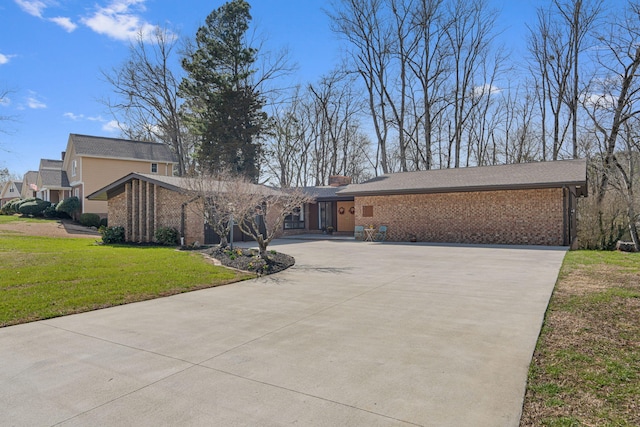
(346, 216)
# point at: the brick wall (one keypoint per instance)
(117, 207)
(521, 217)
(143, 207)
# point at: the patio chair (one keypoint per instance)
(358, 232)
(381, 235)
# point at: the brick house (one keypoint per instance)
(141, 203)
(328, 209)
(521, 204)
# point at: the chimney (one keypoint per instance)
(339, 180)
(63, 153)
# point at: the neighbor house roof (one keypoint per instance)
(53, 179)
(325, 193)
(50, 164)
(96, 146)
(174, 183)
(514, 176)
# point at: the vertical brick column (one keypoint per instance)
(129, 216)
(135, 210)
(142, 198)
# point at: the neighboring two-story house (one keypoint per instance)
(29, 185)
(91, 162)
(52, 183)
(9, 191)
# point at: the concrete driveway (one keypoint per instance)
(355, 334)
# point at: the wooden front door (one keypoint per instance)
(346, 216)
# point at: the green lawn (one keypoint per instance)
(43, 277)
(586, 367)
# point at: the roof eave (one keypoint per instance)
(465, 189)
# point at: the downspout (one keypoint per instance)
(183, 218)
(565, 222)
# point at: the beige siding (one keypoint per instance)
(95, 173)
(489, 217)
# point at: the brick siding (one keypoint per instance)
(521, 217)
(144, 207)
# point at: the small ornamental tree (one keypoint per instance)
(261, 210)
(258, 210)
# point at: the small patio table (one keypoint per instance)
(369, 234)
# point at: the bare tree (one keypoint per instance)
(556, 43)
(146, 88)
(261, 211)
(4, 100)
(361, 23)
(613, 106)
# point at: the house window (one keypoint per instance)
(367, 211)
(10, 189)
(76, 192)
(295, 220)
(154, 168)
(74, 167)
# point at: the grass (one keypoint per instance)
(6, 219)
(43, 277)
(586, 366)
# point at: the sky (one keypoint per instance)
(53, 54)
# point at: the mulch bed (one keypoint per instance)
(250, 260)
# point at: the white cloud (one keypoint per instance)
(112, 127)
(74, 117)
(119, 20)
(5, 58)
(5, 102)
(65, 23)
(35, 103)
(32, 7)
(485, 89)
(600, 100)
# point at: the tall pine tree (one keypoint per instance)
(222, 108)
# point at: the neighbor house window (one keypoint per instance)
(76, 192)
(367, 211)
(154, 168)
(74, 167)
(295, 220)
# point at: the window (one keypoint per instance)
(294, 220)
(367, 211)
(76, 192)
(74, 167)
(11, 189)
(154, 168)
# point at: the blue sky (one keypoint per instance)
(52, 53)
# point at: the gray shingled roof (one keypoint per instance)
(50, 164)
(514, 176)
(321, 193)
(174, 183)
(54, 179)
(96, 146)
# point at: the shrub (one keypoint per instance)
(9, 207)
(112, 235)
(167, 236)
(33, 207)
(90, 220)
(104, 222)
(69, 205)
